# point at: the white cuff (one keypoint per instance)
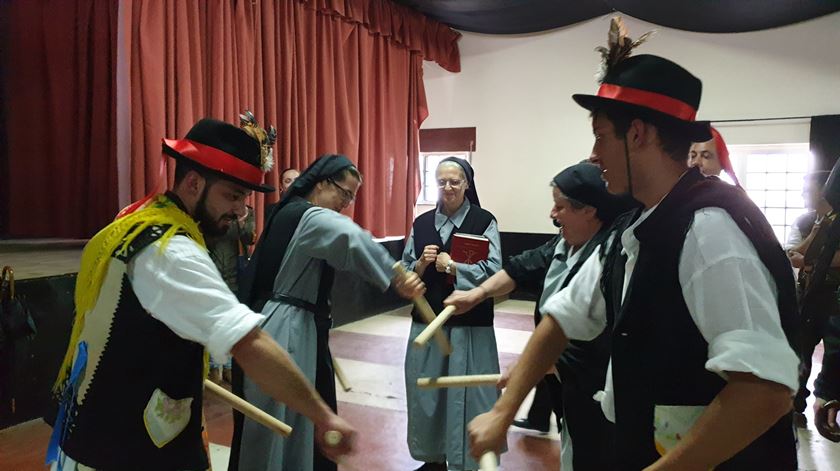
(231, 329)
(749, 351)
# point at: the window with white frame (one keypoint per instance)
(428, 164)
(773, 176)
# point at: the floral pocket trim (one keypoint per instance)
(166, 418)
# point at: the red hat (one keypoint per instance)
(723, 155)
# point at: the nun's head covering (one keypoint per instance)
(469, 173)
(323, 168)
(582, 182)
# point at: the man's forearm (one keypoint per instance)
(743, 410)
(499, 284)
(271, 368)
(542, 351)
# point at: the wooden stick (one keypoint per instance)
(428, 314)
(488, 462)
(249, 410)
(458, 381)
(434, 326)
(339, 374)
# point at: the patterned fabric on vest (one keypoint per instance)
(139, 401)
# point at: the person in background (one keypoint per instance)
(818, 298)
(437, 418)
(287, 178)
(712, 157)
(584, 210)
(230, 253)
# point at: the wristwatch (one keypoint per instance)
(449, 267)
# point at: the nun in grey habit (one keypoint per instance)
(438, 418)
(289, 280)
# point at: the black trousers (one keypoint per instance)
(593, 436)
(821, 306)
(548, 397)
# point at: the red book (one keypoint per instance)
(469, 248)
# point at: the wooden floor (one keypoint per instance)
(371, 352)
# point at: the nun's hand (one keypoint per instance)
(443, 260)
(409, 286)
(427, 258)
(346, 435)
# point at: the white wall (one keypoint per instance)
(516, 91)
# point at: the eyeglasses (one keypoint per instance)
(346, 195)
(455, 184)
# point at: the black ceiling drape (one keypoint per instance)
(708, 16)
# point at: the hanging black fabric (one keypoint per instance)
(825, 140)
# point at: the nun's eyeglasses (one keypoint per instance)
(346, 195)
(455, 184)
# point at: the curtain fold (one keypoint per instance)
(333, 77)
(60, 111)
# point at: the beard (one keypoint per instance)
(211, 227)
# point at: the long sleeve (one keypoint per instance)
(327, 235)
(732, 298)
(409, 258)
(181, 287)
(531, 266)
(469, 276)
(580, 308)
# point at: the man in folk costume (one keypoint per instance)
(437, 418)
(150, 305)
(584, 210)
(696, 291)
(290, 280)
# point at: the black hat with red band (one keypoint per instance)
(657, 89)
(223, 150)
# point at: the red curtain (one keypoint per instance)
(60, 116)
(332, 76)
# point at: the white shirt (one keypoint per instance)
(730, 296)
(182, 288)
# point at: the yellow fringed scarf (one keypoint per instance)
(117, 238)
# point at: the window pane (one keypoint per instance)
(755, 181)
(756, 163)
(799, 162)
(776, 162)
(775, 216)
(794, 199)
(776, 181)
(794, 180)
(775, 199)
(780, 233)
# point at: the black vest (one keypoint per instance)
(107, 431)
(658, 354)
(438, 287)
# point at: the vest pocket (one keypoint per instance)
(672, 423)
(166, 418)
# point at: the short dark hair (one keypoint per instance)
(674, 142)
(184, 166)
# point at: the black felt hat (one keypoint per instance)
(224, 150)
(657, 89)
